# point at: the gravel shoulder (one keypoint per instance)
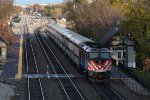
(6, 91)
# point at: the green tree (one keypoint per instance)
(137, 22)
(135, 16)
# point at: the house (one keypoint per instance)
(123, 50)
(122, 47)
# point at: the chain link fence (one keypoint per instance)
(134, 85)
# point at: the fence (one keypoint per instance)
(134, 86)
(142, 86)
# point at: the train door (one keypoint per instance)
(83, 59)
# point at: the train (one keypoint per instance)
(90, 57)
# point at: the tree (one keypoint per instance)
(135, 16)
(91, 19)
(96, 18)
(54, 10)
(6, 10)
(137, 22)
(17, 9)
(37, 7)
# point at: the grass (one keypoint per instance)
(1, 67)
(143, 75)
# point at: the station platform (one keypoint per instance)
(116, 73)
(12, 62)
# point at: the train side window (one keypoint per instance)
(119, 54)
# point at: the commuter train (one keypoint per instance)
(89, 56)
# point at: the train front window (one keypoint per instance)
(102, 55)
(94, 55)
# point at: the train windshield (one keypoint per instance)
(102, 55)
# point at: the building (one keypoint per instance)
(122, 47)
(123, 50)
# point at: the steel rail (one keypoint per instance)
(119, 96)
(27, 64)
(55, 69)
(107, 92)
(27, 69)
(63, 68)
(36, 68)
(26, 59)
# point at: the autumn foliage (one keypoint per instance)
(6, 9)
(91, 19)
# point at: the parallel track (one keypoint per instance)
(34, 87)
(69, 88)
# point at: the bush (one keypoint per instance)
(144, 76)
(140, 59)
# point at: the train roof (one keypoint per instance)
(83, 42)
(74, 37)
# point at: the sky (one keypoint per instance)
(24, 2)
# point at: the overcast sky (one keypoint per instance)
(24, 2)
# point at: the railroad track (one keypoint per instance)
(70, 89)
(106, 91)
(34, 86)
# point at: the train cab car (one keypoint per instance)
(89, 56)
(96, 60)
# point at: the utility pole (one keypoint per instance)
(123, 50)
